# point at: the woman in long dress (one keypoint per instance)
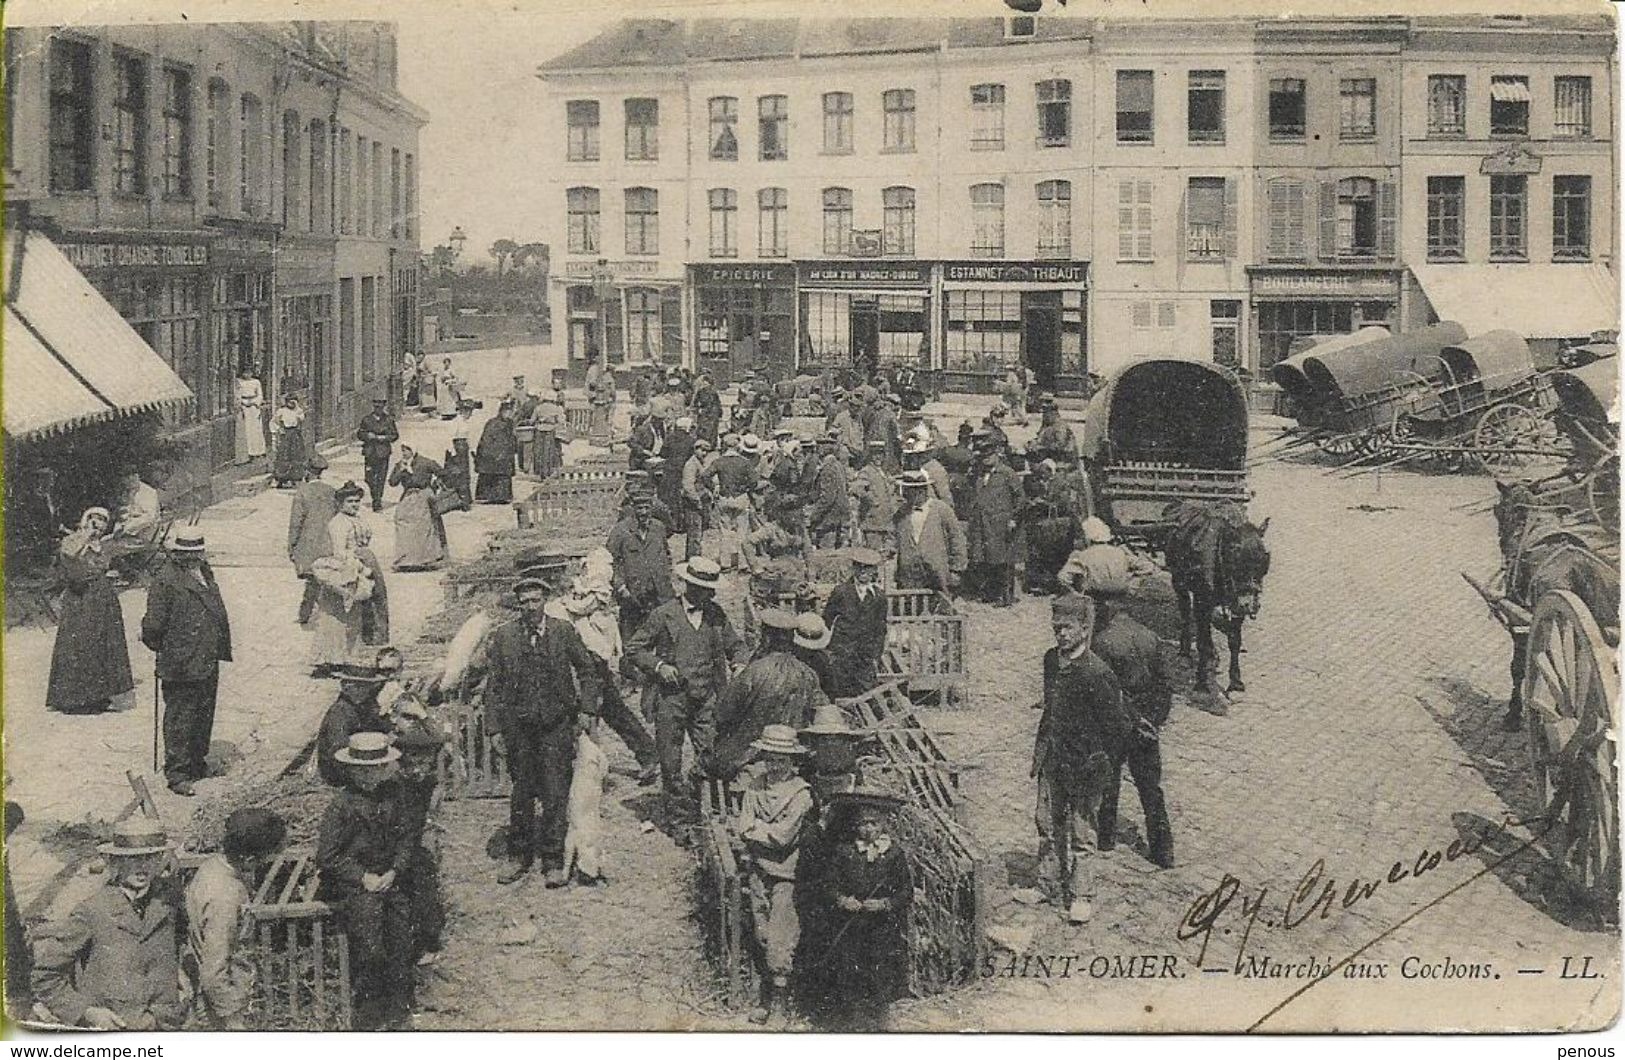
(427, 399)
(250, 416)
(90, 661)
(451, 391)
(457, 472)
(494, 458)
(552, 431)
(420, 533)
(292, 456)
(347, 585)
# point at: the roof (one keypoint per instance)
(631, 42)
(1171, 411)
(70, 359)
(1521, 298)
(1369, 367)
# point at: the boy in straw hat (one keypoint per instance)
(355, 710)
(112, 964)
(365, 856)
(773, 818)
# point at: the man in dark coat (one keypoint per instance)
(314, 503)
(187, 626)
(679, 447)
(774, 688)
(707, 405)
(541, 690)
(641, 559)
(996, 502)
(19, 954)
(648, 439)
(355, 710)
(881, 426)
(830, 510)
(377, 434)
(494, 458)
(856, 616)
(957, 459)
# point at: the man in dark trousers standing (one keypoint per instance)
(641, 559)
(314, 503)
(187, 627)
(541, 689)
(377, 434)
(856, 615)
(996, 502)
(707, 406)
(830, 510)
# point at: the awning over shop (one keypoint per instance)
(69, 358)
(1536, 301)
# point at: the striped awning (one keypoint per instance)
(1509, 91)
(69, 359)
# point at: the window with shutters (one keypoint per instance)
(177, 134)
(1447, 105)
(897, 229)
(837, 220)
(1287, 108)
(724, 128)
(773, 223)
(1509, 106)
(292, 164)
(216, 143)
(316, 201)
(581, 205)
(1135, 106)
(346, 180)
(642, 130)
(1055, 219)
(898, 104)
(72, 111)
(987, 118)
(1447, 203)
(1572, 97)
(1509, 218)
(987, 220)
(1571, 218)
(773, 128)
(581, 119)
(1204, 107)
(724, 204)
(1054, 113)
(1134, 208)
(1285, 239)
(129, 124)
(1357, 108)
(837, 123)
(1356, 218)
(1205, 219)
(642, 221)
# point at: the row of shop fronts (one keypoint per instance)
(969, 320)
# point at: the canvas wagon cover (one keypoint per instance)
(1590, 392)
(1289, 376)
(1355, 371)
(1180, 412)
(1500, 357)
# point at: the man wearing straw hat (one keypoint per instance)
(355, 710)
(113, 963)
(930, 542)
(856, 616)
(774, 688)
(186, 626)
(365, 856)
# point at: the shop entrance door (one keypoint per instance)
(1041, 335)
(865, 336)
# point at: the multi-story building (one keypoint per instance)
(244, 196)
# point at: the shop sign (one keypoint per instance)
(759, 275)
(136, 255)
(1513, 160)
(588, 270)
(866, 243)
(866, 274)
(256, 250)
(1325, 284)
(1058, 272)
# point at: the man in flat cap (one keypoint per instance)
(856, 616)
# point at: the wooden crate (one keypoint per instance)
(470, 766)
(723, 904)
(301, 955)
(581, 501)
(579, 419)
(925, 645)
(911, 763)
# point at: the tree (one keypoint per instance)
(533, 255)
(502, 250)
(441, 259)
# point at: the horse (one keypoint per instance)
(1544, 548)
(1218, 562)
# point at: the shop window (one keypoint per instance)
(1135, 106)
(1447, 203)
(1285, 238)
(1073, 355)
(1509, 106)
(129, 124)
(305, 321)
(177, 134)
(901, 328)
(251, 159)
(837, 220)
(581, 119)
(168, 314)
(724, 128)
(773, 128)
(72, 108)
(1204, 107)
(1287, 108)
(1571, 218)
(642, 130)
(1509, 218)
(1357, 108)
(614, 329)
(1134, 220)
(773, 223)
(642, 221)
(987, 117)
(671, 325)
(1205, 218)
(1572, 119)
(724, 203)
(983, 331)
(582, 207)
(1054, 113)
(827, 323)
(897, 231)
(987, 220)
(837, 123)
(1054, 219)
(1447, 105)
(1281, 324)
(1225, 317)
(898, 104)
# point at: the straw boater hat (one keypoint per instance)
(367, 749)
(136, 837)
(702, 571)
(914, 480)
(358, 673)
(1095, 531)
(915, 445)
(777, 618)
(829, 720)
(187, 539)
(779, 740)
(750, 444)
(783, 432)
(811, 633)
(865, 794)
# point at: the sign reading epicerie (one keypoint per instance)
(136, 255)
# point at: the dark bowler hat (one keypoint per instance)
(253, 831)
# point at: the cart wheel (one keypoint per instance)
(1338, 444)
(1570, 696)
(1502, 430)
(1602, 494)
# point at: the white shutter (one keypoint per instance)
(1296, 190)
(1125, 219)
(1142, 220)
(1165, 315)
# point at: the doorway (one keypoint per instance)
(865, 335)
(1041, 335)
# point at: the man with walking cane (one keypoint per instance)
(186, 626)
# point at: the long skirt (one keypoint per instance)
(292, 459)
(339, 631)
(459, 474)
(419, 533)
(250, 434)
(426, 393)
(90, 661)
(494, 489)
(549, 454)
(448, 402)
